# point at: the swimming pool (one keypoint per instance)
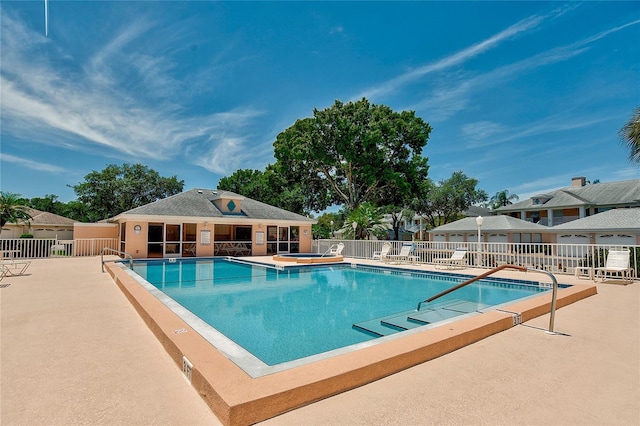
(279, 316)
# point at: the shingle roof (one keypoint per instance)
(621, 193)
(199, 203)
(611, 220)
(45, 218)
(491, 223)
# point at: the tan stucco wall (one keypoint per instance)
(204, 250)
(305, 239)
(136, 244)
(95, 230)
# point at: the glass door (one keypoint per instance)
(272, 240)
(283, 239)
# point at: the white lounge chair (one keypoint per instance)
(457, 258)
(616, 266)
(403, 256)
(336, 249)
(15, 267)
(3, 272)
(383, 253)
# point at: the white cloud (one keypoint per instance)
(122, 99)
(455, 59)
(30, 164)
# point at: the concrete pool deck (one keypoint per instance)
(74, 350)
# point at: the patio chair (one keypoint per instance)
(457, 258)
(617, 263)
(15, 267)
(403, 256)
(3, 272)
(336, 249)
(383, 254)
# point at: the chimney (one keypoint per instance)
(577, 182)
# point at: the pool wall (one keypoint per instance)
(301, 258)
(238, 399)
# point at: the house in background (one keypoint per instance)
(578, 201)
(206, 222)
(41, 225)
(494, 229)
(416, 228)
(619, 227)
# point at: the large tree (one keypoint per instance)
(117, 189)
(12, 209)
(447, 200)
(271, 187)
(353, 153)
(630, 134)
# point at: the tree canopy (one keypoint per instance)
(354, 153)
(12, 209)
(446, 201)
(630, 135)
(502, 198)
(117, 189)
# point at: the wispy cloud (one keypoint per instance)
(450, 95)
(122, 99)
(456, 59)
(495, 134)
(33, 165)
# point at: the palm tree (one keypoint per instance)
(630, 134)
(502, 198)
(12, 208)
(368, 220)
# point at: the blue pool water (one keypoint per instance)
(284, 315)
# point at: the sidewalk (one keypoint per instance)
(74, 351)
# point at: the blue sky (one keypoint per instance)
(522, 96)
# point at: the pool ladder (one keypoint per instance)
(493, 271)
(123, 254)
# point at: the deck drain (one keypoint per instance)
(4, 285)
(180, 331)
(187, 367)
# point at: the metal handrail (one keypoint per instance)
(494, 270)
(118, 252)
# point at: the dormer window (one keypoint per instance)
(540, 199)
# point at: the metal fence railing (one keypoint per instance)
(38, 248)
(556, 258)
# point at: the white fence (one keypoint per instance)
(37, 248)
(556, 258)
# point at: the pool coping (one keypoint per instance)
(238, 399)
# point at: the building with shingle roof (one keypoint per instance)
(208, 222)
(41, 225)
(617, 226)
(612, 227)
(578, 201)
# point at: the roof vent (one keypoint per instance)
(199, 191)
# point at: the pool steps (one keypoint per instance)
(406, 320)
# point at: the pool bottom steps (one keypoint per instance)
(406, 320)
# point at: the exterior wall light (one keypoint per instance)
(137, 229)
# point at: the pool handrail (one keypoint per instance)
(119, 253)
(494, 270)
